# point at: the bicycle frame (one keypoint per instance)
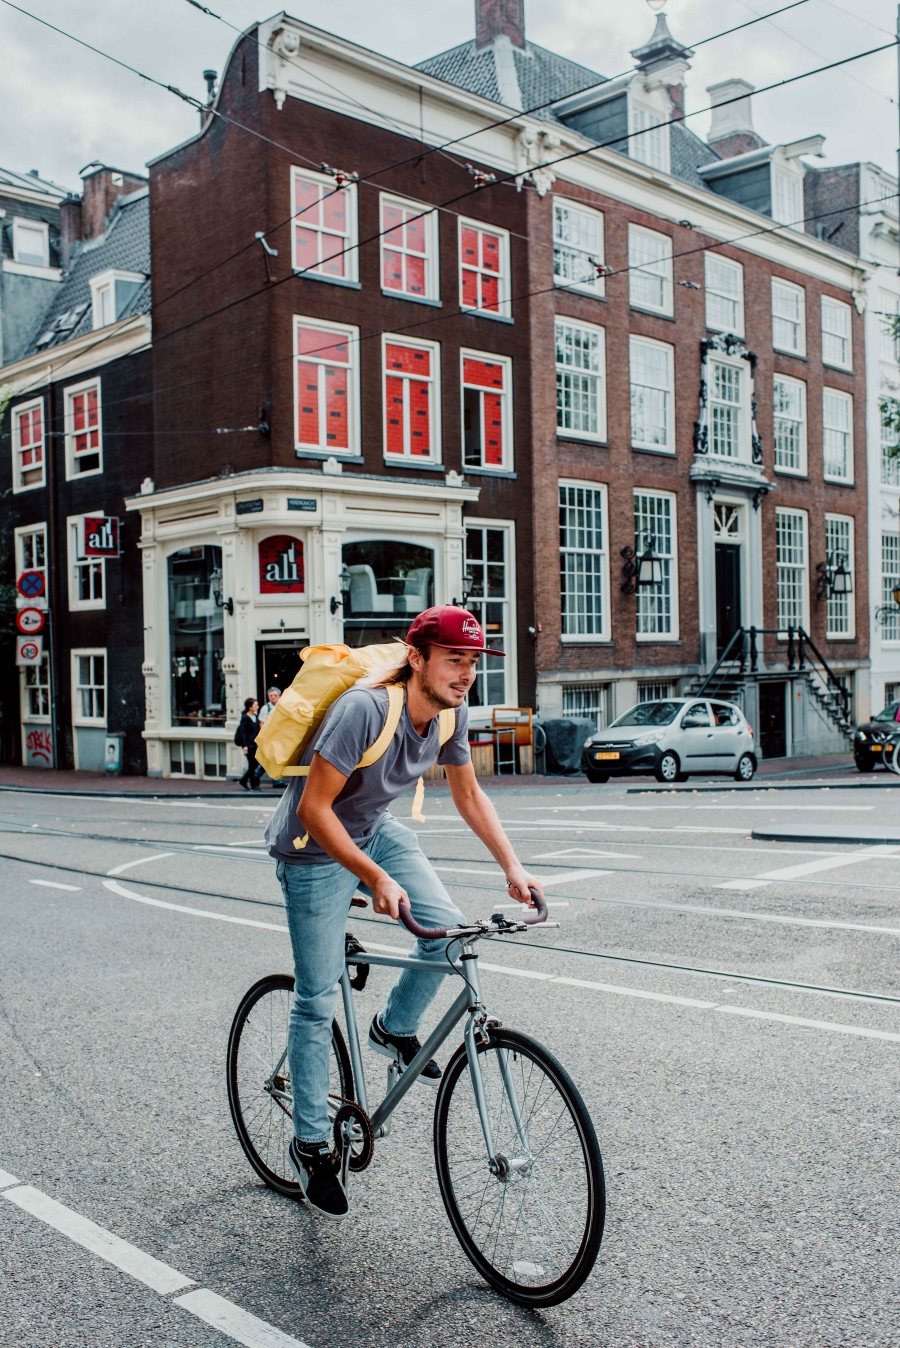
(468, 1003)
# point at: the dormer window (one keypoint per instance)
(111, 293)
(31, 243)
(787, 197)
(648, 137)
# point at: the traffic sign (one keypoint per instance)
(30, 621)
(31, 584)
(29, 650)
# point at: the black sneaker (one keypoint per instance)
(322, 1189)
(402, 1046)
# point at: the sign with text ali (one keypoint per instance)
(101, 536)
(281, 565)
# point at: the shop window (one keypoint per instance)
(388, 583)
(84, 444)
(326, 387)
(409, 249)
(323, 238)
(411, 400)
(196, 636)
(28, 445)
(487, 429)
(483, 269)
(488, 563)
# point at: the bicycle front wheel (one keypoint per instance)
(259, 1080)
(532, 1225)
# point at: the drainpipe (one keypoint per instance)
(54, 570)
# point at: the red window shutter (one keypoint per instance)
(393, 401)
(468, 246)
(415, 234)
(323, 343)
(483, 373)
(392, 222)
(337, 431)
(415, 275)
(334, 257)
(493, 429)
(490, 293)
(307, 403)
(334, 212)
(306, 198)
(392, 270)
(419, 418)
(78, 412)
(408, 360)
(306, 248)
(490, 252)
(92, 406)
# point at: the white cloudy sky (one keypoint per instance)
(61, 106)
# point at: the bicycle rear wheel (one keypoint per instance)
(259, 1080)
(533, 1231)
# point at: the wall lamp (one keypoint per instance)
(227, 605)
(345, 580)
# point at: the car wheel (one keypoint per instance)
(668, 768)
(745, 769)
(597, 777)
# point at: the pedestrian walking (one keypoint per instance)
(272, 696)
(245, 736)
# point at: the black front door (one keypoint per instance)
(728, 593)
(276, 664)
(772, 731)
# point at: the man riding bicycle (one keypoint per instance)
(353, 842)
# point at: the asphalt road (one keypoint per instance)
(730, 1009)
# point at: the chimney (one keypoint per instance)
(732, 131)
(69, 228)
(499, 18)
(102, 185)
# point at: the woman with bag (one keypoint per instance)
(245, 736)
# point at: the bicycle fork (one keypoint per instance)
(499, 1164)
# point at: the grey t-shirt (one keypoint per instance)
(350, 726)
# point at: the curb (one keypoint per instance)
(773, 835)
(763, 786)
(133, 795)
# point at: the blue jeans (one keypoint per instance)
(317, 899)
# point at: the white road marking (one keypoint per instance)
(208, 1306)
(6, 1179)
(54, 884)
(501, 906)
(122, 1254)
(589, 852)
(718, 805)
(743, 884)
(233, 850)
(566, 878)
(615, 989)
(238, 1324)
(828, 863)
(127, 865)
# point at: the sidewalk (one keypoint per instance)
(828, 767)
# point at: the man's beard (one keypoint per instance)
(432, 694)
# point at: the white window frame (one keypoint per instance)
(668, 445)
(581, 256)
(104, 283)
(350, 250)
(574, 694)
(888, 343)
(890, 465)
(801, 569)
(429, 220)
(672, 558)
(407, 457)
(744, 408)
(321, 361)
(847, 399)
(890, 557)
(510, 638)
(796, 347)
(26, 672)
(18, 471)
(785, 182)
(833, 604)
(562, 369)
(506, 404)
(23, 532)
(801, 422)
(39, 226)
(504, 310)
(566, 550)
(655, 265)
(715, 292)
(647, 147)
(69, 393)
(839, 334)
(95, 566)
(78, 718)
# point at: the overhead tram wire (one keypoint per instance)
(505, 179)
(455, 313)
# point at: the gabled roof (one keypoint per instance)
(27, 182)
(124, 246)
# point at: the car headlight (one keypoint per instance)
(653, 738)
(588, 743)
(860, 734)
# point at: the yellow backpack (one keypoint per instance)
(326, 673)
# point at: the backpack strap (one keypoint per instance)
(446, 728)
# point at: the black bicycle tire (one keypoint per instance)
(568, 1283)
(271, 982)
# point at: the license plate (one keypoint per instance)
(606, 755)
(876, 748)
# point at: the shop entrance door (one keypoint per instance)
(772, 719)
(277, 663)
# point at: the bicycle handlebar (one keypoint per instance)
(438, 933)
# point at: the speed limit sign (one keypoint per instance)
(30, 621)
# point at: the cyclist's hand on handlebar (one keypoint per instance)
(519, 882)
(387, 896)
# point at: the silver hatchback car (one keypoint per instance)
(673, 739)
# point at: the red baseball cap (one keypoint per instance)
(451, 627)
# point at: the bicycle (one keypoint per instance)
(517, 1158)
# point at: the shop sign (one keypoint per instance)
(101, 536)
(30, 621)
(31, 584)
(29, 650)
(281, 565)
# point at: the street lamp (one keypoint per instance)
(345, 580)
(841, 581)
(468, 582)
(215, 583)
(649, 566)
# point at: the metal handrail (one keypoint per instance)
(800, 645)
(726, 655)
